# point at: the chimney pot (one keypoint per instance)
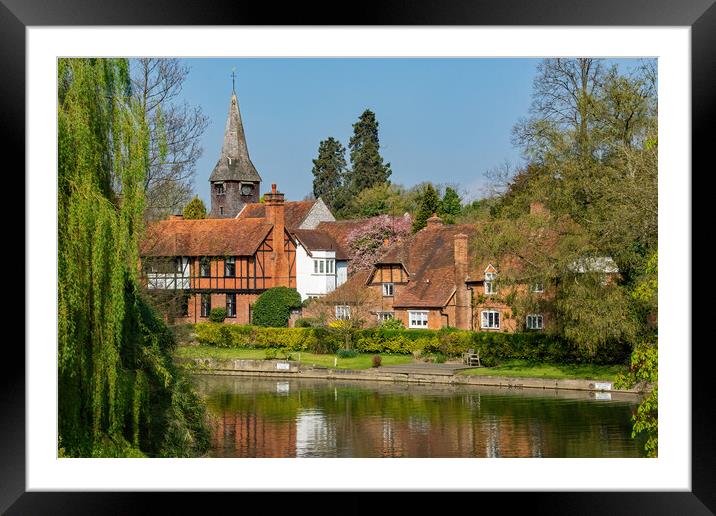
(273, 187)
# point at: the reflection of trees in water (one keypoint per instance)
(342, 419)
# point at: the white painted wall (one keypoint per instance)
(180, 280)
(307, 281)
(341, 272)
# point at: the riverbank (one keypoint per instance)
(407, 372)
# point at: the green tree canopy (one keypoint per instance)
(367, 164)
(118, 392)
(429, 204)
(329, 174)
(195, 209)
(450, 205)
(273, 307)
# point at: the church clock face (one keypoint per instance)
(246, 189)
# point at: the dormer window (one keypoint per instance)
(219, 188)
(490, 283)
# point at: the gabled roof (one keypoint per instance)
(315, 240)
(234, 163)
(295, 212)
(205, 237)
(428, 256)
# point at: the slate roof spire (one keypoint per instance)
(234, 163)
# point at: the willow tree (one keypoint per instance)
(118, 393)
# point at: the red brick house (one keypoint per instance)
(224, 262)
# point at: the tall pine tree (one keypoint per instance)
(367, 164)
(329, 173)
(429, 204)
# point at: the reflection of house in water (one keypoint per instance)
(314, 436)
(249, 435)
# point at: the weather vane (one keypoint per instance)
(233, 79)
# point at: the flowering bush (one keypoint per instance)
(369, 241)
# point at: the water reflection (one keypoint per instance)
(258, 417)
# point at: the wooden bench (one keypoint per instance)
(471, 358)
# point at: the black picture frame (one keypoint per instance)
(17, 15)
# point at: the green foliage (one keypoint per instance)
(367, 164)
(493, 346)
(116, 381)
(329, 174)
(217, 314)
(643, 371)
(308, 322)
(450, 206)
(391, 324)
(273, 307)
(270, 354)
(195, 209)
(346, 353)
(380, 199)
(429, 205)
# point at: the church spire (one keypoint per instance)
(234, 163)
(234, 180)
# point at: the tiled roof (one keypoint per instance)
(315, 240)
(295, 214)
(428, 256)
(205, 237)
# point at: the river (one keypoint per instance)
(276, 417)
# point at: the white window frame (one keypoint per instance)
(490, 324)
(490, 283)
(534, 322)
(343, 312)
(418, 319)
(385, 316)
(388, 289)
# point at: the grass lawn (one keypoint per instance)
(526, 369)
(362, 361)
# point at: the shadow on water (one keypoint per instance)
(275, 417)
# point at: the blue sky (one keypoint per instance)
(441, 120)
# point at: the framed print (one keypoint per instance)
(271, 348)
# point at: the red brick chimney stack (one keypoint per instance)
(462, 299)
(434, 221)
(276, 215)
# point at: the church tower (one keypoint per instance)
(234, 180)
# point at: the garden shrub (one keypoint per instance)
(492, 346)
(308, 322)
(347, 353)
(377, 360)
(392, 324)
(217, 314)
(273, 307)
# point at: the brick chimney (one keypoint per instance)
(462, 298)
(276, 215)
(434, 221)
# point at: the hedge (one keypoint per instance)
(492, 346)
(273, 307)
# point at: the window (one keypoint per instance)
(179, 263)
(221, 210)
(205, 305)
(491, 319)
(230, 305)
(534, 322)
(220, 189)
(205, 267)
(230, 266)
(324, 266)
(343, 312)
(418, 319)
(490, 283)
(538, 287)
(388, 289)
(384, 316)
